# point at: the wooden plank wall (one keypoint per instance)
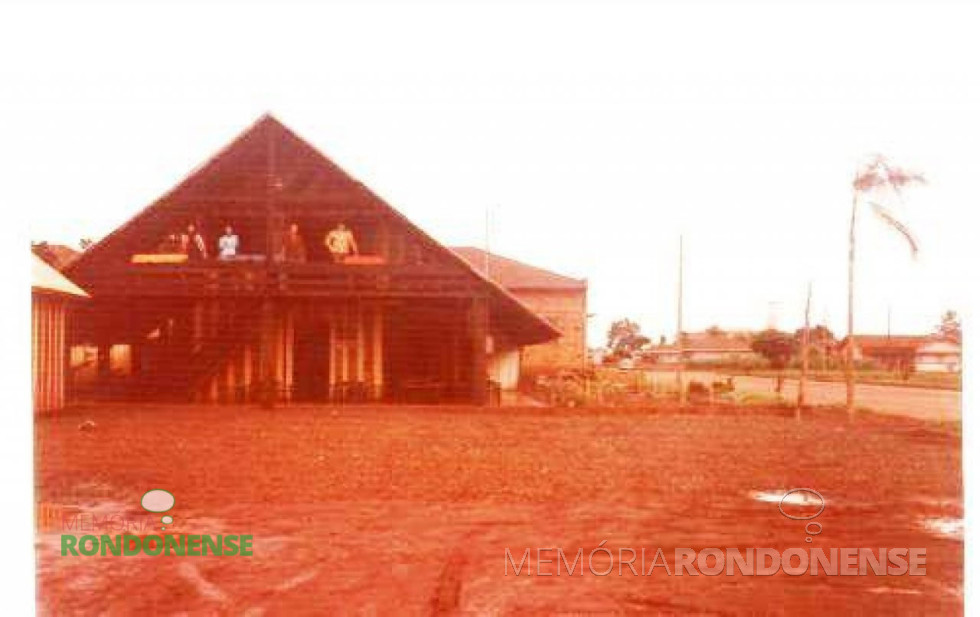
(354, 333)
(48, 352)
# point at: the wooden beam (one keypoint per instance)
(377, 332)
(359, 363)
(332, 352)
(290, 346)
(478, 358)
(266, 363)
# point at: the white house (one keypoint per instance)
(938, 356)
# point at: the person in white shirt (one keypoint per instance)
(340, 242)
(228, 244)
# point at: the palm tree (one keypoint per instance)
(880, 179)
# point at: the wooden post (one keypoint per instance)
(344, 348)
(331, 354)
(289, 351)
(197, 327)
(247, 372)
(103, 360)
(58, 359)
(229, 386)
(849, 347)
(681, 392)
(478, 336)
(267, 356)
(805, 364)
(377, 363)
(69, 320)
(136, 357)
(359, 364)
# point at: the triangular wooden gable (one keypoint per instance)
(269, 167)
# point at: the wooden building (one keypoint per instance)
(52, 296)
(403, 320)
(560, 299)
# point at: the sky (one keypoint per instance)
(592, 136)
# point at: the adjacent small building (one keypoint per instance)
(939, 355)
(907, 353)
(559, 299)
(51, 298)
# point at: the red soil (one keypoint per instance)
(410, 511)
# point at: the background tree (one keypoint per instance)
(949, 326)
(778, 348)
(822, 342)
(879, 182)
(624, 338)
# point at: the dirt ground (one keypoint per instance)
(410, 510)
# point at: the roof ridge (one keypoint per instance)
(549, 274)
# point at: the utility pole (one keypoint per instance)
(682, 394)
(486, 242)
(805, 363)
(849, 348)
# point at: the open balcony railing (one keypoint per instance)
(254, 278)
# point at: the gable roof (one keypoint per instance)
(515, 275)
(706, 341)
(58, 256)
(44, 278)
(885, 342)
(267, 157)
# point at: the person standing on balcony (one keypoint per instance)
(341, 243)
(293, 247)
(192, 244)
(228, 244)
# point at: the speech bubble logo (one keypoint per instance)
(804, 498)
(157, 500)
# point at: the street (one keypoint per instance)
(920, 403)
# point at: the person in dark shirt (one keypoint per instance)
(293, 247)
(192, 244)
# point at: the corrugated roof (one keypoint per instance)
(512, 274)
(46, 278)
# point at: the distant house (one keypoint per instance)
(51, 296)
(716, 348)
(938, 355)
(705, 348)
(561, 300)
(889, 352)
(662, 354)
